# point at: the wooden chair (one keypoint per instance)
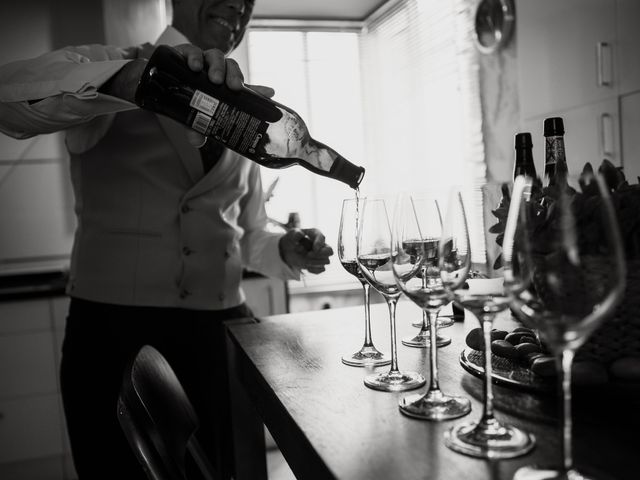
(159, 421)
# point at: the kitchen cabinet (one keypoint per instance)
(30, 428)
(31, 425)
(592, 134)
(630, 120)
(577, 59)
(565, 51)
(628, 12)
(265, 296)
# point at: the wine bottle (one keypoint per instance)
(555, 162)
(244, 121)
(524, 157)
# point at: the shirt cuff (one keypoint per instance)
(273, 263)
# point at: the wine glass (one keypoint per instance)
(417, 230)
(564, 264)
(472, 252)
(374, 260)
(423, 339)
(368, 355)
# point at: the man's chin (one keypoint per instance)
(224, 44)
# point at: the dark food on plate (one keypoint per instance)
(523, 347)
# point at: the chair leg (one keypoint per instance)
(208, 471)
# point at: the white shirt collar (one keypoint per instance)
(171, 37)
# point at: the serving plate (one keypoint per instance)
(506, 372)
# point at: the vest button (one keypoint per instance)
(185, 208)
(184, 294)
(187, 251)
(221, 297)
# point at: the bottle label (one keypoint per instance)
(229, 125)
(201, 123)
(203, 102)
(554, 150)
(555, 161)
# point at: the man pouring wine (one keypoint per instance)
(164, 230)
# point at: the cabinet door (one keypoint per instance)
(24, 316)
(628, 45)
(592, 133)
(30, 428)
(265, 296)
(630, 126)
(565, 54)
(27, 365)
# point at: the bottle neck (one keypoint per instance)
(555, 166)
(345, 171)
(524, 164)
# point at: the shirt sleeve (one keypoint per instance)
(59, 90)
(260, 248)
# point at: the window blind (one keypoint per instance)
(400, 96)
(422, 109)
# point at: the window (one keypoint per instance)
(399, 95)
(317, 73)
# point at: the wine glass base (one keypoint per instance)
(434, 406)
(489, 440)
(442, 322)
(551, 473)
(394, 381)
(367, 356)
(422, 340)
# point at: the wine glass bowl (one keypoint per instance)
(374, 259)
(471, 270)
(368, 354)
(565, 268)
(415, 244)
(432, 229)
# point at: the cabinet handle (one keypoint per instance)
(604, 64)
(606, 134)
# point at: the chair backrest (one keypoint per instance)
(158, 419)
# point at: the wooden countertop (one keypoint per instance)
(328, 425)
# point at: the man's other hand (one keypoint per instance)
(294, 249)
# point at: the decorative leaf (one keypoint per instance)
(610, 174)
(497, 228)
(498, 262)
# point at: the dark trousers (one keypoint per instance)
(100, 339)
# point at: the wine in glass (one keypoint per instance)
(565, 267)
(422, 339)
(417, 231)
(374, 259)
(368, 355)
(472, 253)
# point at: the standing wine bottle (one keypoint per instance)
(555, 162)
(524, 157)
(248, 123)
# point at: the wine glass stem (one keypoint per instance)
(434, 385)
(391, 303)
(564, 361)
(487, 413)
(367, 317)
(424, 312)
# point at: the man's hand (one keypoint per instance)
(296, 255)
(219, 70)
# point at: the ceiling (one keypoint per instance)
(316, 9)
